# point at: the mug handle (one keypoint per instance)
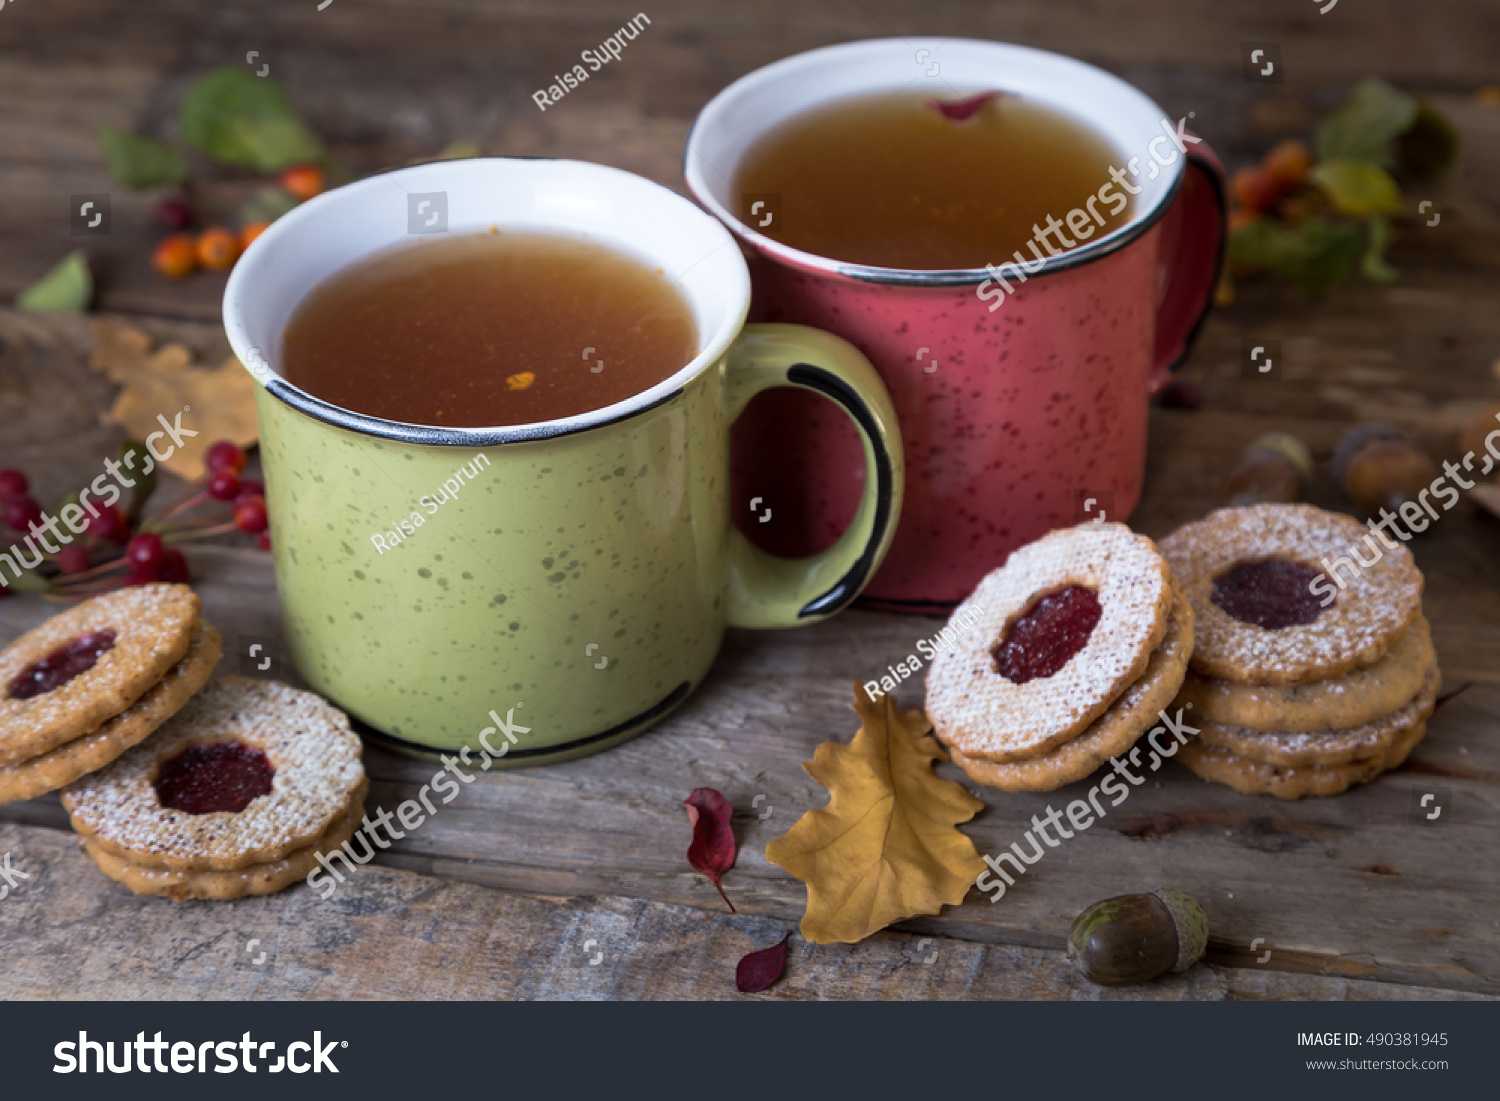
(1192, 254)
(766, 590)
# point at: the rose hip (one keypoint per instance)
(225, 455)
(21, 512)
(223, 485)
(145, 552)
(74, 558)
(174, 566)
(250, 515)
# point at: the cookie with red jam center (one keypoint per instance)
(1291, 594)
(71, 760)
(72, 674)
(247, 774)
(1053, 638)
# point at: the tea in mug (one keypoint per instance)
(890, 181)
(489, 329)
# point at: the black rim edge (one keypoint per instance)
(651, 714)
(321, 410)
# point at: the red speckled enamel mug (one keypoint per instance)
(1023, 400)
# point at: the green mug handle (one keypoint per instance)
(769, 591)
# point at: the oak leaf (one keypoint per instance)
(887, 846)
(218, 403)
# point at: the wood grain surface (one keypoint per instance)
(1354, 897)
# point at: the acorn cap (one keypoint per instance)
(1284, 443)
(1190, 922)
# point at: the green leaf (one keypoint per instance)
(239, 118)
(1358, 188)
(460, 150)
(1365, 125)
(1373, 264)
(145, 484)
(137, 162)
(28, 582)
(1315, 255)
(1429, 146)
(67, 288)
(266, 205)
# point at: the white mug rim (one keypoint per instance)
(693, 171)
(715, 339)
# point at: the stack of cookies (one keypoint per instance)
(1073, 648)
(178, 789)
(236, 794)
(85, 686)
(1312, 670)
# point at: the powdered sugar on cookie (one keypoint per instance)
(318, 768)
(983, 714)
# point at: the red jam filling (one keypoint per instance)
(1272, 593)
(224, 776)
(60, 666)
(1054, 629)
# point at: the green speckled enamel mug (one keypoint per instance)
(575, 575)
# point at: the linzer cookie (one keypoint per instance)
(71, 760)
(1134, 712)
(1358, 697)
(1288, 594)
(67, 677)
(253, 879)
(1063, 629)
(1314, 668)
(247, 775)
(1260, 778)
(1330, 746)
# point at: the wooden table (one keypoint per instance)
(499, 895)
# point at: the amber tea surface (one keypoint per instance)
(891, 181)
(489, 329)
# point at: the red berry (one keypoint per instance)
(249, 487)
(174, 214)
(20, 512)
(4, 591)
(250, 515)
(111, 524)
(140, 577)
(12, 483)
(174, 566)
(263, 540)
(74, 558)
(225, 455)
(223, 485)
(145, 552)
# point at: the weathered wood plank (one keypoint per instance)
(68, 933)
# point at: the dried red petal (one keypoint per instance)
(713, 849)
(958, 110)
(761, 969)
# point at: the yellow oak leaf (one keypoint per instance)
(218, 403)
(887, 846)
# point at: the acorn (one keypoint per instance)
(1472, 440)
(1277, 468)
(1378, 467)
(1135, 938)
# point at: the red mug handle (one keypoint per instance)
(1192, 251)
